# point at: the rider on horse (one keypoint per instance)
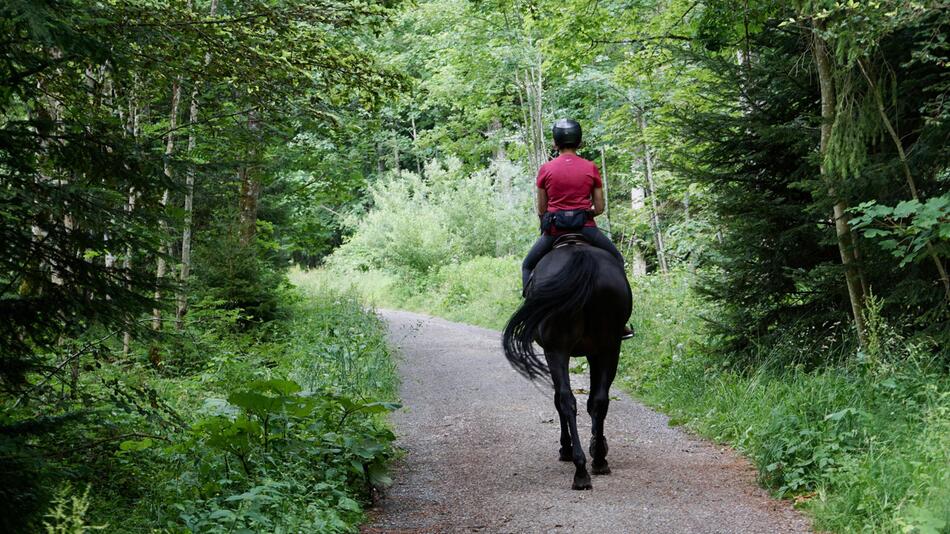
(570, 194)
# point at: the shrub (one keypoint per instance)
(418, 224)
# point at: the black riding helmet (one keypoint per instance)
(567, 133)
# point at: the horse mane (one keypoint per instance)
(564, 293)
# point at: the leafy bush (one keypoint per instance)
(274, 427)
(910, 230)
(418, 224)
(481, 291)
(293, 453)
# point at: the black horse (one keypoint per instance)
(576, 305)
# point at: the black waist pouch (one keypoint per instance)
(565, 220)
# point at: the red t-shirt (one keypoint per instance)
(570, 182)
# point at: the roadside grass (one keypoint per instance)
(482, 291)
(335, 341)
(281, 428)
(860, 443)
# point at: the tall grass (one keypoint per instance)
(862, 444)
(336, 341)
(482, 291)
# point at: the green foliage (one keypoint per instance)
(67, 513)
(417, 225)
(273, 426)
(482, 291)
(238, 277)
(861, 444)
(109, 114)
(776, 272)
(338, 450)
(906, 229)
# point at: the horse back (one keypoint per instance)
(594, 325)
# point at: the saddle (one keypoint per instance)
(572, 239)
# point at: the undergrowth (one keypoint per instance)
(860, 443)
(277, 428)
(481, 291)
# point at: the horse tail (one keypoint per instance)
(563, 294)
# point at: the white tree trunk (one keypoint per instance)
(532, 84)
(133, 129)
(165, 248)
(603, 172)
(638, 263)
(654, 211)
(250, 185)
(185, 272)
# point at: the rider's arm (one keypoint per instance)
(542, 202)
(597, 195)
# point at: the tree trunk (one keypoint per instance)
(651, 186)
(250, 185)
(185, 271)
(396, 152)
(165, 249)
(380, 160)
(842, 228)
(533, 87)
(127, 269)
(603, 167)
(415, 138)
(638, 266)
(133, 130)
(250, 195)
(525, 123)
(638, 263)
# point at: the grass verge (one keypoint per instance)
(479, 291)
(862, 444)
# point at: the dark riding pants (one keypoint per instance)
(544, 244)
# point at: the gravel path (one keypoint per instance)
(481, 454)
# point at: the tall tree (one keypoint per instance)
(845, 239)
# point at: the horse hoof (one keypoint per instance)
(598, 469)
(582, 483)
(565, 455)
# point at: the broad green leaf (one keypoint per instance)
(256, 402)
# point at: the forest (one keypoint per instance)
(201, 201)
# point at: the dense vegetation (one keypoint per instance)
(160, 164)
(778, 181)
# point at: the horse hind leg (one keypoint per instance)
(567, 405)
(603, 369)
(566, 452)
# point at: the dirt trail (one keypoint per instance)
(481, 454)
